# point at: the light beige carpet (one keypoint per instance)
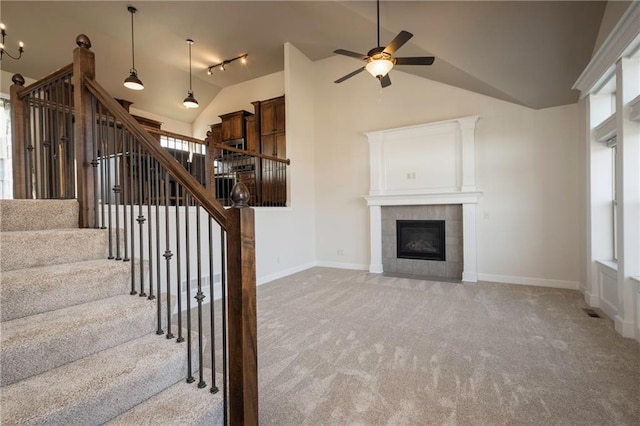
(347, 347)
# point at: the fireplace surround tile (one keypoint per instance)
(451, 214)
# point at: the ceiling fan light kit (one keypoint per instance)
(380, 60)
(379, 67)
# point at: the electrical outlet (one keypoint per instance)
(340, 252)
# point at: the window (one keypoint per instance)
(6, 171)
(181, 145)
(614, 201)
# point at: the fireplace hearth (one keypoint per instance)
(421, 239)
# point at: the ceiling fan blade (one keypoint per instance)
(351, 54)
(397, 42)
(351, 74)
(421, 60)
(385, 81)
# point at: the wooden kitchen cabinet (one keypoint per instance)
(233, 125)
(272, 116)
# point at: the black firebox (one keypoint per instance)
(421, 239)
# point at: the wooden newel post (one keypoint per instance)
(84, 65)
(243, 343)
(21, 174)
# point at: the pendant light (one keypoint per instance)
(190, 100)
(133, 82)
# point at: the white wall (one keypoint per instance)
(285, 237)
(528, 168)
(168, 124)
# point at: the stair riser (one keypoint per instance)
(45, 289)
(21, 250)
(31, 215)
(65, 341)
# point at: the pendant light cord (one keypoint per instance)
(190, 86)
(133, 55)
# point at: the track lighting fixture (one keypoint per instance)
(222, 65)
(133, 82)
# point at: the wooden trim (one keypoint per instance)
(83, 68)
(68, 69)
(166, 160)
(243, 346)
(250, 153)
(20, 172)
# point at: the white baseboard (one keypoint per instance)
(591, 299)
(284, 273)
(624, 328)
(540, 282)
(340, 265)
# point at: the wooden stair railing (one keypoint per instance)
(100, 124)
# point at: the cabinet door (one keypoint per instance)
(269, 146)
(281, 145)
(279, 119)
(272, 116)
(267, 118)
(253, 138)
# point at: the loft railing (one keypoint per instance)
(43, 125)
(264, 176)
(181, 253)
(190, 152)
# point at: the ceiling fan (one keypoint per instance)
(380, 59)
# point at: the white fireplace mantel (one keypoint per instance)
(427, 164)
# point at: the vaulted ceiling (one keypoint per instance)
(526, 52)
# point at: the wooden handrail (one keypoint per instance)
(159, 132)
(251, 153)
(152, 146)
(68, 69)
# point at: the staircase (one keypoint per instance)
(75, 347)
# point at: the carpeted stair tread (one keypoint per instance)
(183, 404)
(25, 292)
(27, 249)
(31, 215)
(54, 338)
(97, 388)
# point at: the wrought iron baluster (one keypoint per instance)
(190, 378)
(29, 126)
(94, 161)
(167, 253)
(178, 265)
(140, 219)
(124, 167)
(117, 158)
(156, 185)
(149, 229)
(132, 158)
(55, 148)
(104, 190)
(199, 297)
(107, 154)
